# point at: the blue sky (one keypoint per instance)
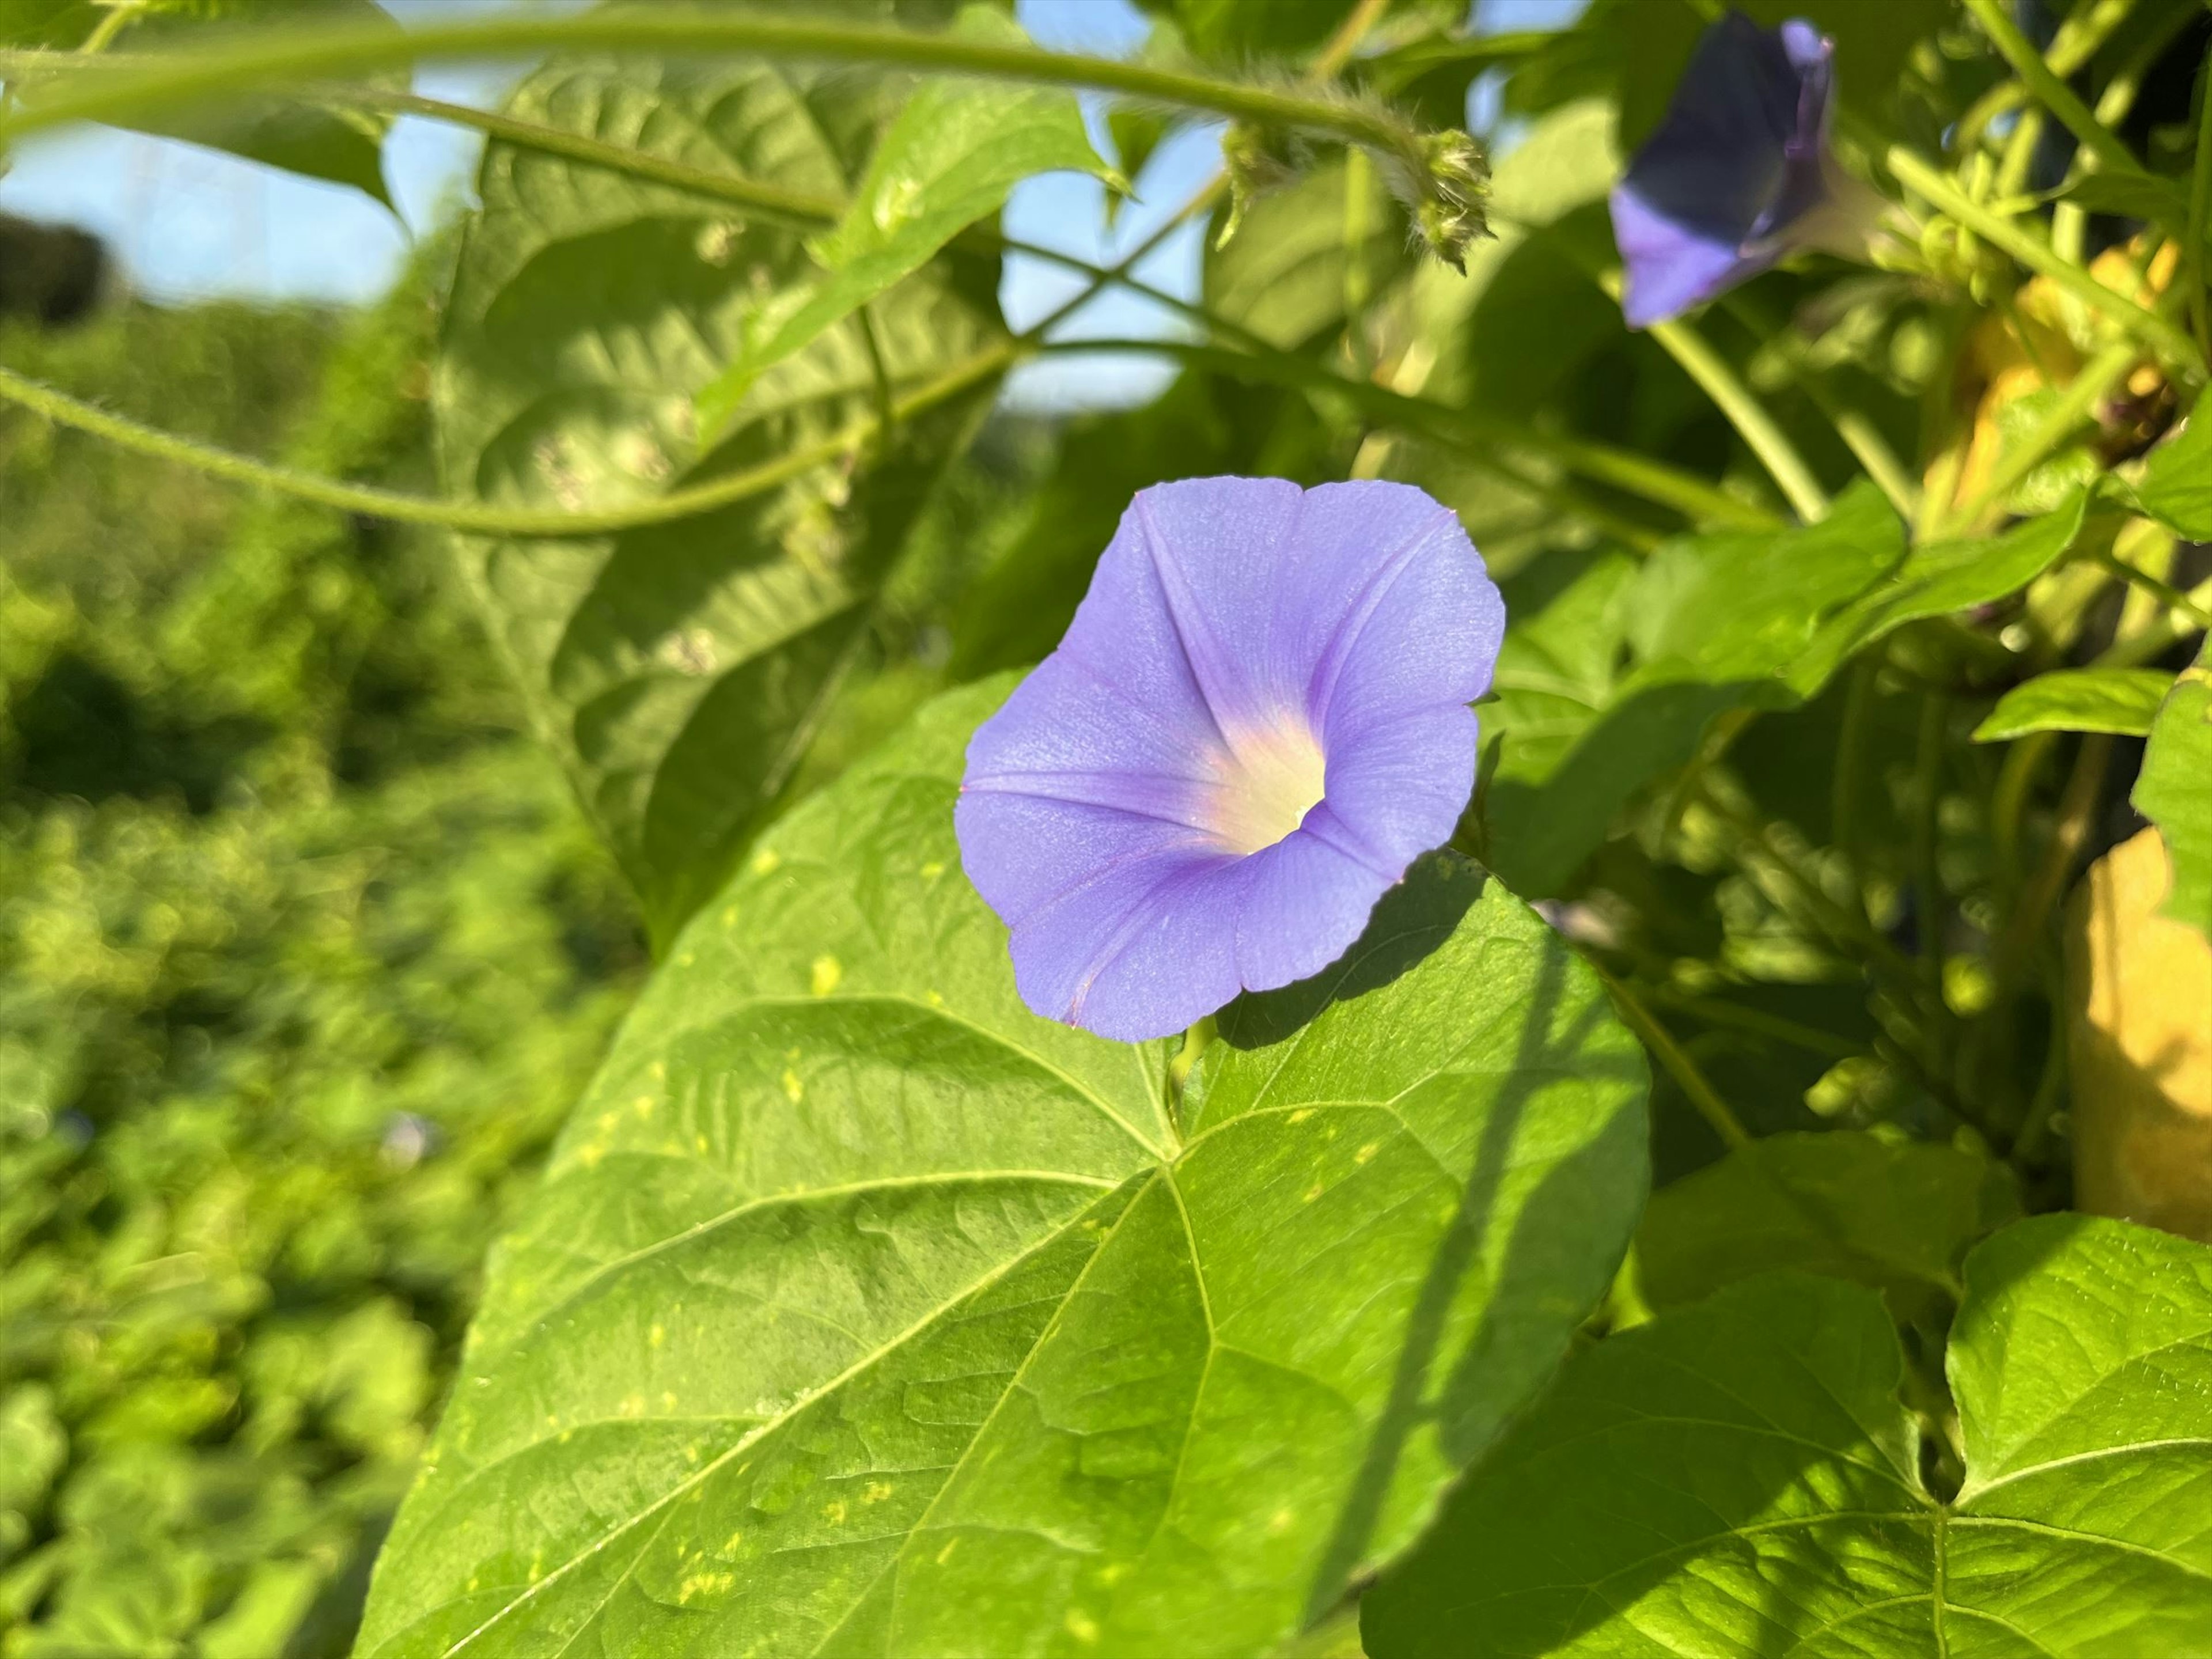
(188, 224)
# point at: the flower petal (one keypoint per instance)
(1308, 899)
(1400, 790)
(1144, 949)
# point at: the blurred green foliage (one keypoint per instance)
(304, 950)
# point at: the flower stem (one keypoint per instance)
(2049, 90)
(1735, 400)
(2173, 344)
(1678, 1064)
(295, 53)
(475, 517)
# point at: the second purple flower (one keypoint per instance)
(1258, 719)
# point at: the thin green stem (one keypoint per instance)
(1735, 400)
(120, 16)
(470, 516)
(254, 63)
(1477, 435)
(2170, 342)
(1756, 1021)
(2049, 89)
(1678, 1064)
(1622, 469)
(2165, 593)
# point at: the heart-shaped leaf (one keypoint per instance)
(679, 672)
(1737, 1479)
(865, 1312)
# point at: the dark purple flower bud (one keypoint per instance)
(1739, 175)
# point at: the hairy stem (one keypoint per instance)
(292, 54)
(475, 517)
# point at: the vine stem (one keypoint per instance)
(2171, 343)
(1749, 417)
(1679, 1065)
(295, 53)
(400, 507)
(2037, 76)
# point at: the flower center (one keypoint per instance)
(1272, 779)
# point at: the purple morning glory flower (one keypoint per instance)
(1739, 174)
(1258, 719)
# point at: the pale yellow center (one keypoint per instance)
(1269, 781)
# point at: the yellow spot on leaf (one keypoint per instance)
(657, 1335)
(1313, 1192)
(1367, 1152)
(945, 1554)
(933, 870)
(1301, 1114)
(643, 1105)
(1081, 1625)
(793, 1086)
(765, 860)
(729, 916)
(1281, 1521)
(834, 1513)
(828, 971)
(876, 1491)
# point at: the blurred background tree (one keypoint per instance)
(304, 950)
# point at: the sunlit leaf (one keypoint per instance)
(1709, 623)
(328, 142)
(1937, 580)
(2176, 486)
(948, 160)
(863, 1311)
(2173, 794)
(1738, 1479)
(1898, 1216)
(679, 672)
(2122, 700)
(1306, 257)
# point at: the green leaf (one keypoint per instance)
(2133, 196)
(1737, 1478)
(1306, 256)
(338, 145)
(678, 671)
(863, 1311)
(955, 151)
(1896, 1215)
(1708, 624)
(2176, 486)
(2122, 700)
(1937, 580)
(2172, 791)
